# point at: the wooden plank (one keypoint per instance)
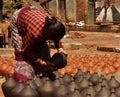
(109, 49)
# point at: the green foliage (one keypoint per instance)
(8, 5)
(117, 15)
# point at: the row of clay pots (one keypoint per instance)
(6, 65)
(80, 85)
(108, 64)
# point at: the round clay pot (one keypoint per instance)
(48, 89)
(8, 85)
(59, 60)
(28, 91)
(17, 89)
(113, 83)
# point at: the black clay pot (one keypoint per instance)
(98, 86)
(112, 93)
(88, 75)
(71, 86)
(113, 83)
(47, 89)
(104, 92)
(78, 79)
(61, 80)
(89, 90)
(32, 84)
(78, 74)
(62, 91)
(28, 91)
(59, 60)
(8, 85)
(83, 84)
(118, 92)
(94, 78)
(101, 78)
(105, 83)
(38, 81)
(67, 78)
(17, 89)
(56, 83)
(75, 93)
(57, 74)
(88, 95)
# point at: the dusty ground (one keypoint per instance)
(77, 42)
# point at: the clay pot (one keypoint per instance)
(113, 83)
(71, 86)
(105, 83)
(61, 80)
(44, 79)
(17, 89)
(88, 95)
(94, 78)
(38, 82)
(75, 93)
(32, 84)
(104, 92)
(83, 84)
(98, 86)
(8, 85)
(47, 90)
(59, 60)
(67, 78)
(78, 74)
(62, 91)
(112, 93)
(78, 79)
(101, 78)
(118, 92)
(56, 83)
(89, 90)
(88, 75)
(57, 74)
(28, 91)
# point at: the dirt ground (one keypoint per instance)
(78, 42)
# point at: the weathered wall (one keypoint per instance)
(62, 9)
(80, 10)
(58, 8)
(53, 7)
(71, 10)
(90, 16)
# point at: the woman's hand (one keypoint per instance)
(61, 50)
(41, 62)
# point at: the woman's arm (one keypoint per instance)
(59, 47)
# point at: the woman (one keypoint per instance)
(31, 28)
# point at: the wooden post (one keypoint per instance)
(1, 10)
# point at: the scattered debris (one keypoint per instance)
(76, 24)
(77, 35)
(109, 49)
(79, 24)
